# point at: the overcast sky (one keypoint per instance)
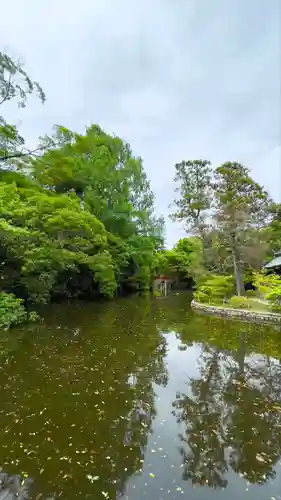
(178, 79)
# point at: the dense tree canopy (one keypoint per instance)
(183, 263)
(79, 222)
(77, 216)
(238, 224)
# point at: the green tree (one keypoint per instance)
(46, 237)
(182, 263)
(231, 411)
(79, 222)
(241, 205)
(272, 231)
(112, 185)
(77, 215)
(109, 180)
(214, 289)
(194, 178)
(14, 84)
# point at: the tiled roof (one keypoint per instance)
(275, 262)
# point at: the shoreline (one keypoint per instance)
(240, 314)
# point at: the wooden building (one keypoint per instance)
(274, 266)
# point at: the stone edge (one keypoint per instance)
(241, 314)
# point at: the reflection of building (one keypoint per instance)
(13, 487)
(275, 264)
(162, 284)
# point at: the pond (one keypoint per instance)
(141, 398)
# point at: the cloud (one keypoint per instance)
(178, 80)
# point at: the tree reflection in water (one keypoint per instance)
(78, 403)
(232, 412)
(85, 402)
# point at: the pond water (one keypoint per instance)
(141, 398)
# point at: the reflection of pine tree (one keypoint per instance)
(235, 405)
(204, 462)
(254, 421)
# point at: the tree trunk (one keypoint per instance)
(241, 354)
(240, 288)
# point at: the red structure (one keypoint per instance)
(161, 284)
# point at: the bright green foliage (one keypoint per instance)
(273, 230)
(203, 294)
(274, 297)
(265, 283)
(214, 289)
(44, 235)
(101, 170)
(10, 140)
(238, 302)
(194, 179)
(183, 262)
(229, 211)
(190, 255)
(12, 311)
(141, 261)
(79, 220)
(269, 287)
(86, 234)
(112, 186)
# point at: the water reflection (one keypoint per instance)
(142, 397)
(232, 418)
(232, 411)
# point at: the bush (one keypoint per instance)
(266, 283)
(238, 302)
(202, 295)
(215, 289)
(276, 308)
(274, 297)
(12, 311)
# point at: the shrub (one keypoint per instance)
(276, 308)
(33, 316)
(265, 283)
(202, 295)
(274, 297)
(215, 289)
(12, 311)
(238, 302)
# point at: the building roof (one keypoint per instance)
(275, 262)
